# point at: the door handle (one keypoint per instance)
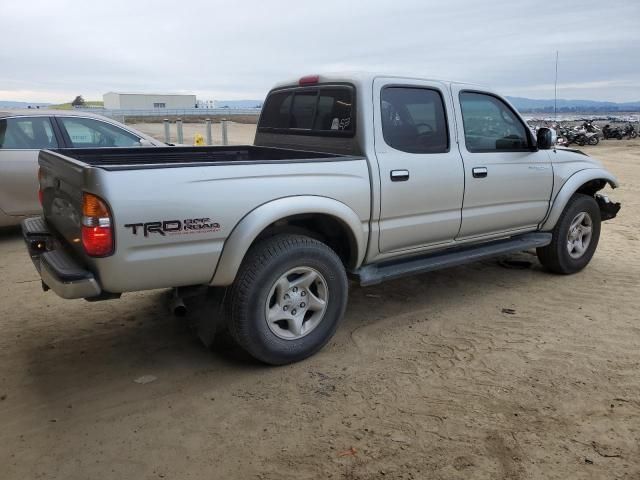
(479, 172)
(399, 175)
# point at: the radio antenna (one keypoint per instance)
(555, 92)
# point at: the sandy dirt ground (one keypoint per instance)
(479, 372)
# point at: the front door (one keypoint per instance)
(421, 171)
(507, 184)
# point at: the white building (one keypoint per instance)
(147, 101)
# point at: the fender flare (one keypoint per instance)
(570, 187)
(253, 223)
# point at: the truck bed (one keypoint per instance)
(214, 186)
(153, 157)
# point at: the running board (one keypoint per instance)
(378, 273)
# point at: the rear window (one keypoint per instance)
(324, 110)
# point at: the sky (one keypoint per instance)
(52, 51)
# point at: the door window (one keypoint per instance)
(28, 133)
(90, 133)
(414, 120)
(490, 125)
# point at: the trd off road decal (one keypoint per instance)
(175, 227)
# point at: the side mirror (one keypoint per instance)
(546, 138)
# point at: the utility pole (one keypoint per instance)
(555, 92)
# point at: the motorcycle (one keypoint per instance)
(569, 136)
(612, 132)
(591, 131)
(630, 131)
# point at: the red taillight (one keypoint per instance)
(97, 231)
(309, 80)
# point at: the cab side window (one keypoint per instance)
(27, 133)
(90, 133)
(414, 120)
(490, 125)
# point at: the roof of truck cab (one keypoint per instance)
(367, 78)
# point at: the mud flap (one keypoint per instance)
(608, 209)
(206, 314)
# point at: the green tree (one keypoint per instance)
(78, 101)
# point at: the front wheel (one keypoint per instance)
(575, 236)
(594, 140)
(288, 299)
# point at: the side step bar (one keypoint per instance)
(378, 273)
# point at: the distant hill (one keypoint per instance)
(530, 105)
(525, 105)
(11, 104)
(238, 103)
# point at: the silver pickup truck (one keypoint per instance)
(372, 177)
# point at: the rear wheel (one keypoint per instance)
(575, 236)
(288, 299)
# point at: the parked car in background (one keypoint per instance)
(23, 133)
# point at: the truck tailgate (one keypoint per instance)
(61, 185)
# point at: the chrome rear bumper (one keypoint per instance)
(58, 270)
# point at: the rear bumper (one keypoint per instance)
(58, 270)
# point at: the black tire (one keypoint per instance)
(263, 266)
(594, 140)
(555, 256)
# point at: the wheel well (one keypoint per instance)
(324, 228)
(592, 186)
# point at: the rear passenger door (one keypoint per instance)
(421, 171)
(507, 182)
(21, 139)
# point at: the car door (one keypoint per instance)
(21, 139)
(508, 182)
(421, 174)
(84, 132)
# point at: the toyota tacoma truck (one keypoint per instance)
(366, 177)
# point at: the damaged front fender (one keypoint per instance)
(608, 209)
